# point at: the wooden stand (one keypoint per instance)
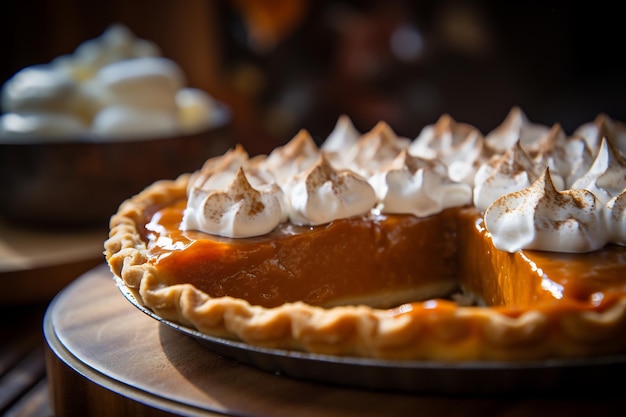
(107, 358)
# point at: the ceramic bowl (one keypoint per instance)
(80, 182)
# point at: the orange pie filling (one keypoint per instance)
(360, 260)
(382, 261)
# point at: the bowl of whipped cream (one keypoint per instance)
(82, 133)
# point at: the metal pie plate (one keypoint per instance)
(554, 376)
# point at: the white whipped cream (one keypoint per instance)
(149, 82)
(603, 126)
(236, 210)
(122, 121)
(606, 177)
(218, 172)
(502, 174)
(458, 145)
(374, 150)
(297, 155)
(520, 193)
(323, 194)
(115, 44)
(46, 125)
(39, 88)
(615, 218)
(117, 85)
(516, 127)
(222, 166)
(343, 136)
(138, 97)
(567, 157)
(418, 186)
(541, 217)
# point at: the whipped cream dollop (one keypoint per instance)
(111, 87)
(297, 155)
(47, 124)
(40, 88)
(567, 157)
(323, 194)
(144, 82)
(116, 43)
(44, 101)
(606, 177)
(234, 210)
(373, 150)
(343, 136)
(603, 126)
(458, 145)
(418, 186)
(615, 218)
(543, 218)
(516, 127)
(218, 171)
(139, 95)
(506, 173)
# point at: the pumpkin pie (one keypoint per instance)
(449, 247)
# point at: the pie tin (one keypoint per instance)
(483, 378)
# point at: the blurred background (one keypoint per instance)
(282, 65)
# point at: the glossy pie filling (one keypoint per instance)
(381, 261)
(537, 279)
(357, 260)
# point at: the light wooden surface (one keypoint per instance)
(105, 357)
(36, 264)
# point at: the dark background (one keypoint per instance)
(560, 61)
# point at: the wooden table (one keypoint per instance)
(23, 383)
(105, 357)
(35, 265)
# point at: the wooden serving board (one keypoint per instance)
(105, 357)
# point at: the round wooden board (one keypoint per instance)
(105, 357)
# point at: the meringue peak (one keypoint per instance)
(541, 217)
(515, 127)
(606, 177)
(375, 149)
(502, 174)
(417, 186)
(343, 135)
(458, 145)
(301, 144)
(322, 194)
(237, 210)
(603, 126)
(297, 155)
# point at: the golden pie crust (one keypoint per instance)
(537, 305)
